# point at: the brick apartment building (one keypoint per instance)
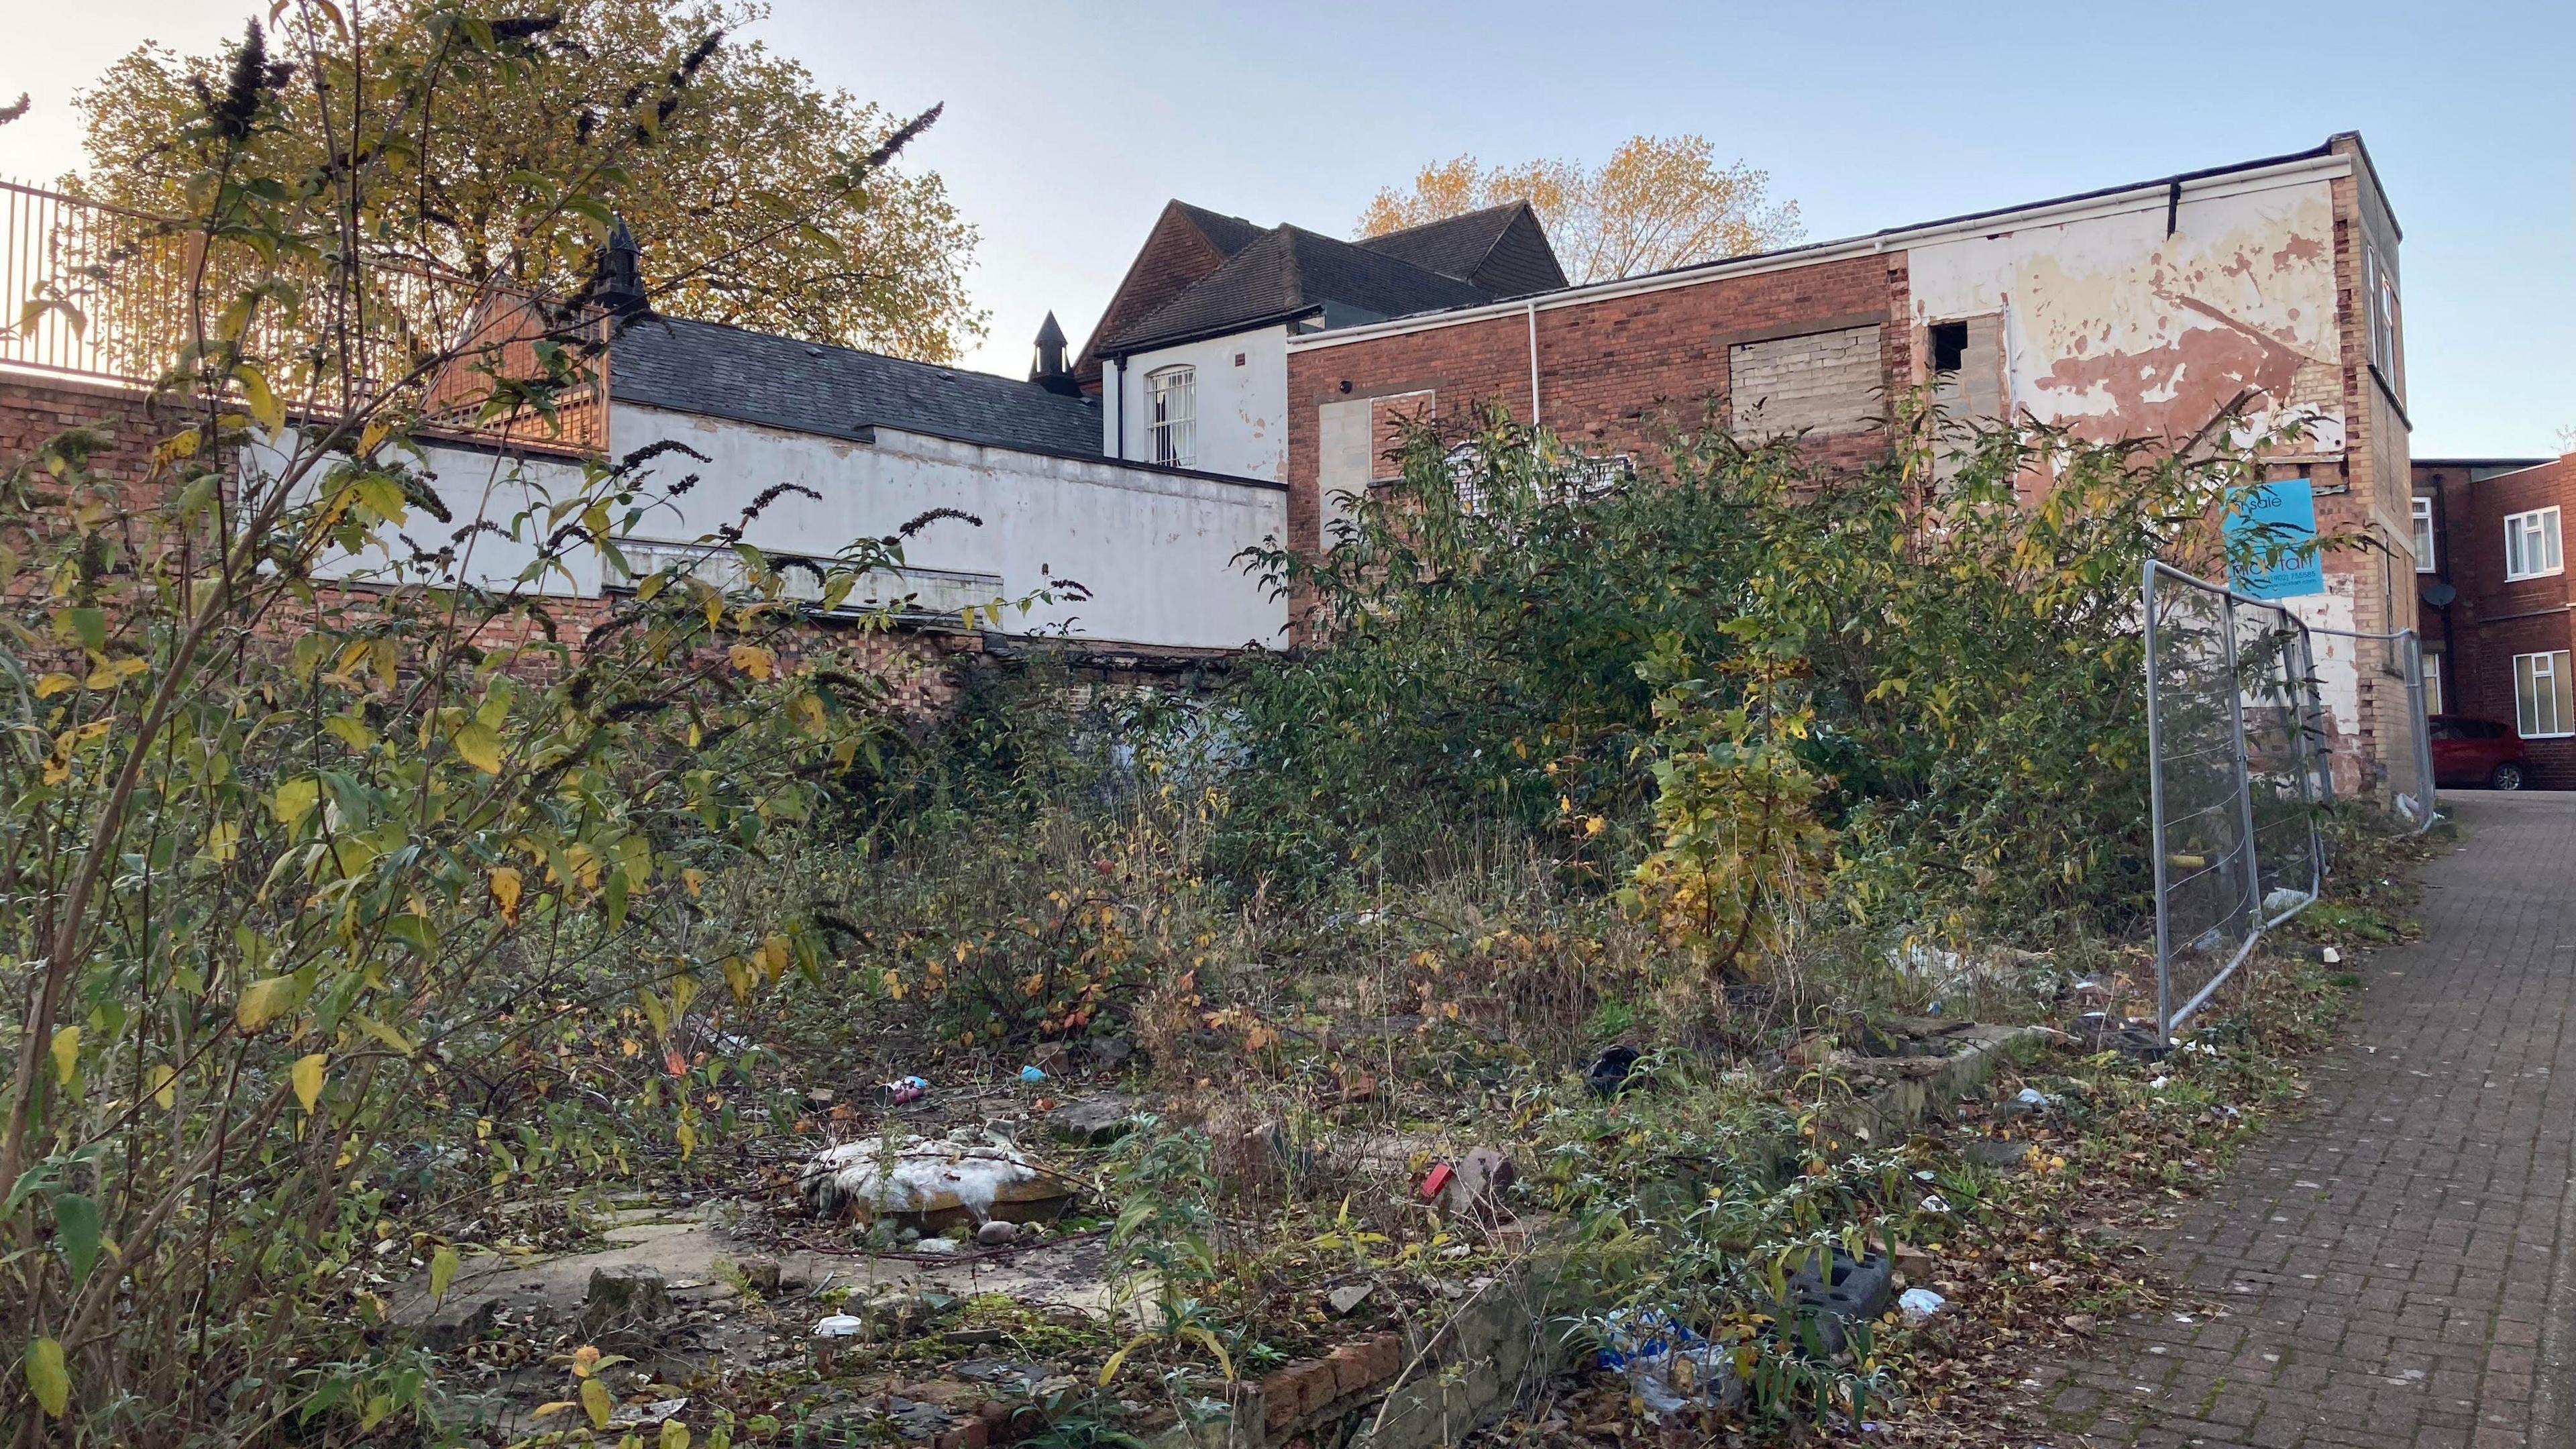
(2135, 311)
(2494, 605)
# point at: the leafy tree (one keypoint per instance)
(1658, 202)
(744, 206)
(327, 912)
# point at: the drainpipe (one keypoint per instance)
(1118, 400)
(1533, 346)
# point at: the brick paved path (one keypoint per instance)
(2398, 1267)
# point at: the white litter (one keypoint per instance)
(2034, 1097)
(1935, 1203)
(839, 1325)
(1919, 1304)
(916, 1176)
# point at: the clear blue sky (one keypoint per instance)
(1069, 125)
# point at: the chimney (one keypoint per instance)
(1050, 371)
(619, 288)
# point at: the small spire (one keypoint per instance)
(620, 288)
(1049, 370)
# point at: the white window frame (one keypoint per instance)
(2422, 510)
(2530, 672)
(2381, 300)
(2531, 546)
(1172, 415)
(2433, 685)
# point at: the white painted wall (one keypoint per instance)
(1242, 409)
(511, 492)
(2106, 314)
(1156, 548)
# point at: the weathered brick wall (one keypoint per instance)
(1616, 372)
(1174, 256)
(918, 666)
(34, 408)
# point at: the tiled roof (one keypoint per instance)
(1290, 269)
(1502, 249)
(754, 377)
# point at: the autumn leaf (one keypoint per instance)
(753, 660)
(505, 892)
(46, 1377)
(306, 1076)
(595, 1402)
(67, 1054)
(442, 1271)
(165, 1090)
(479, 745)
(266, 1000)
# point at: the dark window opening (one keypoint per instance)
(1949, 345)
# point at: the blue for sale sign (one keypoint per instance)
(2278, 521)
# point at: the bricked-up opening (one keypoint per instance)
(1949, 346)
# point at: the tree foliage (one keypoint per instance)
(749, 207)
(1658, 202)
(325, 911)
(1770, 684)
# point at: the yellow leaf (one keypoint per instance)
(165, 1091)
(307, 1077)
(382, 1032)
(543, 1411)
(67, 1054)
(223, 842)
(675, 1435)
(695, 880)
(687, 1138)
(772, 957)
(264, 405)
(46, 1377)
(265, 1001)
(807, 711)
(753, 660)
(505, 892)
(584, 1359)
(104, 677)
(54, 684)
(442, 1271)
(294, 800)
(595, 1401)
(480, 746)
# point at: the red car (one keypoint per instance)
(2475, 752)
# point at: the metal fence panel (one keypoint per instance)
(2233, 726)
(2401, 745)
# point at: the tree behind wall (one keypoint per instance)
(736, 206)
(1658, 202)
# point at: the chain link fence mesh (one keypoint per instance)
(2235, 739)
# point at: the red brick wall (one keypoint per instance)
(2493, 619)
(1612, 372)
(1174, 256)
(34, 408)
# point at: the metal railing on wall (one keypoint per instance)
(97, 291)
(2238, 769)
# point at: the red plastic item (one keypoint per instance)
(1436, 1179)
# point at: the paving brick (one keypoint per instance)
(2392, 1249)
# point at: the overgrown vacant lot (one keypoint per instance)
(430, 1022)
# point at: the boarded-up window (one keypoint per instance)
(1967, 358)
(1823, 382)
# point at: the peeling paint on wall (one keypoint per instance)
(2115, 327)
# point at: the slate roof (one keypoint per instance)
(753, 377)
(1230, 234)
(1290, 270)
(1502, 249)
